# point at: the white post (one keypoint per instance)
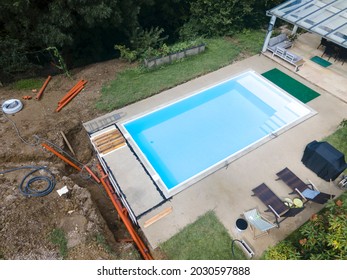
(269, 32)
(295, 28)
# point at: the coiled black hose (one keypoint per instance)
(26, 187)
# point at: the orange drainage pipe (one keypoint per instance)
(38, 96)
(72, 91)
(92, 174)
(60, 156)
(128, 224)
(70, 162)
(77, 91)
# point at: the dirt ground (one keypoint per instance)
(85, 214)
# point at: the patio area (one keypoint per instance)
(228, 191)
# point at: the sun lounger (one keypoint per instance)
(306, 191)
(258, 223)
(271, 200)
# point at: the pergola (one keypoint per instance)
(327, 18)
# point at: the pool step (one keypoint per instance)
(287, 115)
(271, 125)
(277, 120)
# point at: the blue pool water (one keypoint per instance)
(187, 137)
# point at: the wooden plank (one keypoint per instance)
(113, 148)
(106, 134)
(108, 139)
(67, 143)
(111, 143)
(157, 217)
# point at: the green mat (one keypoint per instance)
(320, 61)
(290, 85)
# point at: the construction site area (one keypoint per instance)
(31, 225)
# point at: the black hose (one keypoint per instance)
(26, 187)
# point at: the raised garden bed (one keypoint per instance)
(156, 61)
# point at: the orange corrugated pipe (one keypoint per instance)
(38, 96)
(128, 224)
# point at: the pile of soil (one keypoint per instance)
(85, 215)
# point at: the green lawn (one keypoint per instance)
(137, 83)
(205, 239)
(339, 139)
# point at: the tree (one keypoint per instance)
(225, 17)
(71, 25)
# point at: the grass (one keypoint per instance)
(28, 84)
(205, 239)
(138, 83)
(338, 138)
(58, 238)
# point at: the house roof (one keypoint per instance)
(328, 18)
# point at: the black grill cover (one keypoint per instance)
(324, 160)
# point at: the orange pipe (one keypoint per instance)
(69, 93)
(92, 174)
(72, 91)
(141, 246)
(69, 99)
(60, 156)
(38, 96)
(143, 250)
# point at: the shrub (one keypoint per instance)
(323, 237)
(284, 250)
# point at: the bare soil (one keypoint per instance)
(85, 214)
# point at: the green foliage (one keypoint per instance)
(165, 49)
(282, 251)
(142, 43)
(323, 237)
(338, 138)
(205, 239)
(343, 123)
(70, 25)
(142, 39)
(226, 17)
(10, 60)
(126, 53)
(58, 238)
(61, 63)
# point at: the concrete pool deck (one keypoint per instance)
(228, 191)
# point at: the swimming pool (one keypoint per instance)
(182, 142)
